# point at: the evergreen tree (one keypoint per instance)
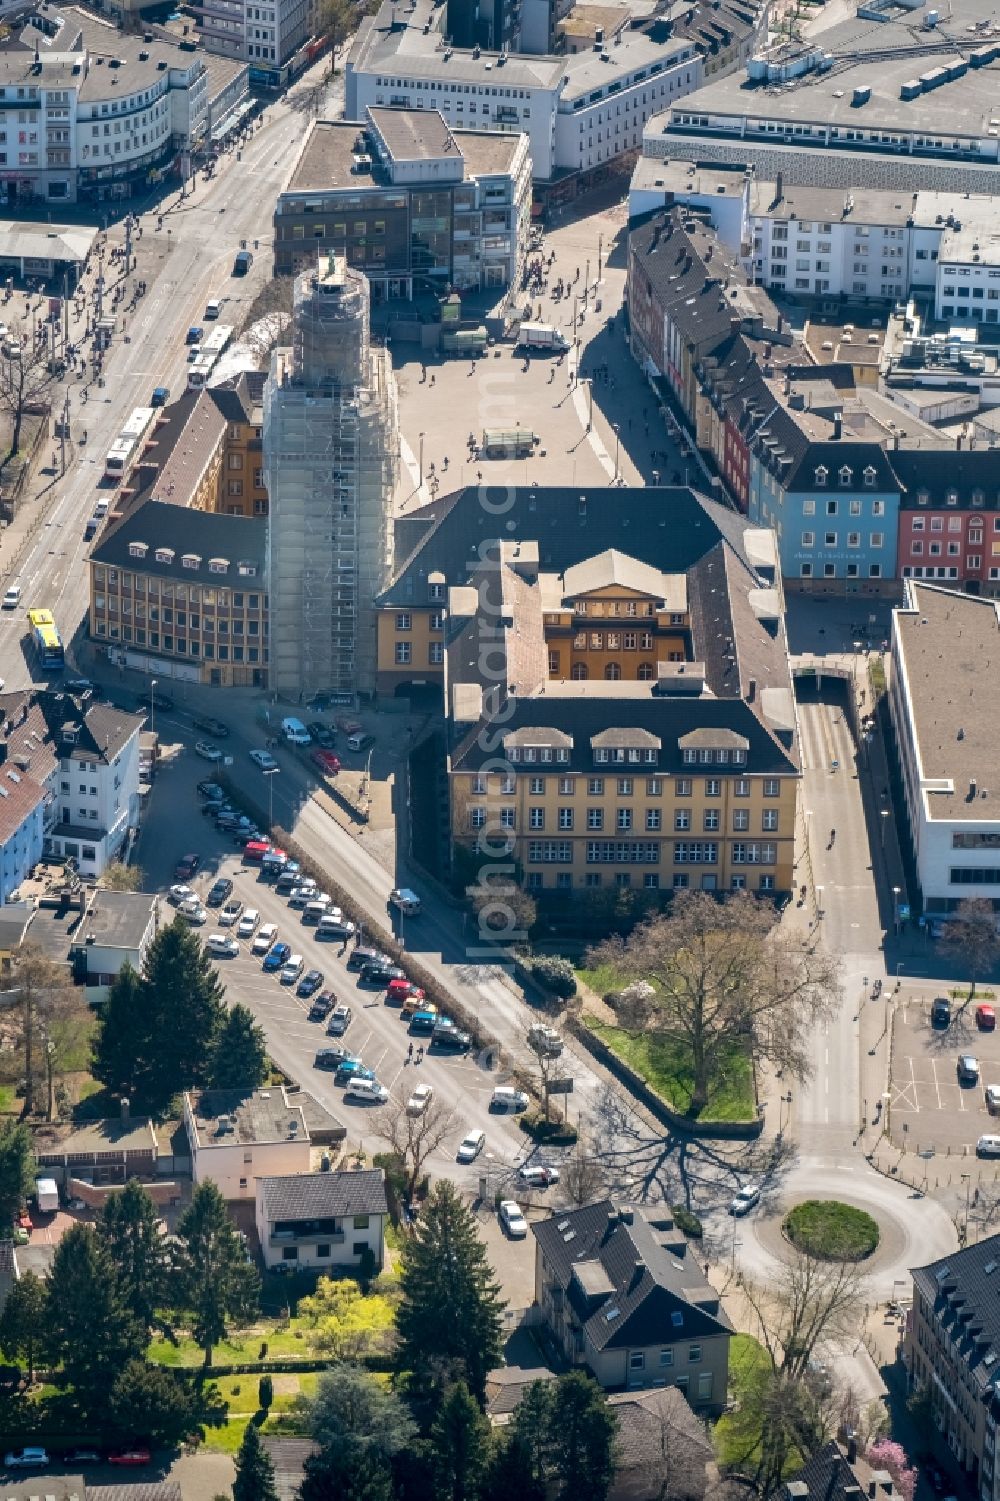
(17, 1169)
(240, 1060)
(91, 1333)
(254, 1470)
(152, 1404)
(531, 1427)
(23, 1320)
(460, 1440)
(129, 1227)
(510, 1472)
(450, 1310)
(351, 1406)
(184, 995)
(582, 1433)
(215, 1282)
(354, 1472)
(123, 1042)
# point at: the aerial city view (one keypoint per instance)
(499, 704)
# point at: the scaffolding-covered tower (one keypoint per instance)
(331, 449)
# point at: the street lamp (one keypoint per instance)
(617, 431)
(735, 1244)
(882, 823)
(967, 1177)
(271, 773)
(421, 480)
(152, 686)
(896, 893)
(585, 380)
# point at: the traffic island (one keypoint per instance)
(831, 1231)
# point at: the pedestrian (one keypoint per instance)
(409, 1053)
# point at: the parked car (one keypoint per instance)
(12, 597)
(420, 1099)
(247, 925)
(322, 734)
(212, 790)
(358, 743)
(276, 958)
(988, 1146)
(263, 759)
(545, 1040)
(352, 1069)
(340, 1020)
(359, 957)
(327, 762)
(292, 969)
(538, 1176)
(31, 1458)
(334, 927)
(986, 1018)
(207, 751)
(158, 701)
(328, 1058)
(338, 1054)
(322, 1005)
(81, 1457)
(265, 938)
(380, 972)
(446, 1037)
(512, 1220)
(211, 726)
(193, 912)
(470, 1146)
(968, 1069)
(404, 900)
(743, 1201)
(505, 1100)
(219, 892)
(230, 913)
(186, 866)
(993, 1098)
(222, 945)
(178, 894)
(310, 983)
(130, 1457)
(370, 1091)
(940, 1011)
(305, 892)
(399, 992)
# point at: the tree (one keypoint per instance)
(184, 994)
(265, 1393)
(807, 1301)
(65, 1024)
(351, 1406)
(549, 1066)
(582, 1176)
(778, 1423)
(971, 936)
(886, 1454)
(23, 381)
(505, 913)
(152, 1404)
(23, 1320)
(215, 1282)
(722, 970)
(335, 21)
(254, 1470)
(240, 1060)
(414, 1138)
(121, 877)
(352, 1473)
(17, 1168)
(450, 1308)
(532, 1425)
(582, 1436)
(91, 1333)
(510, 1471)
(344, 1322)
(38, 988)
(130, 1229)
(460, 1438)
(123, 1042)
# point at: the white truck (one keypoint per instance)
(542, 336)
(47, 1194)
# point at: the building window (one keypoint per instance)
(637, 1360)
(404, 650)
(694, 1354)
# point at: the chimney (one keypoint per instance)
(752, 691)
(125, 1110)
(637, 1271)
(779, 188)
(973, 789)
(958, 441)
(837, 427)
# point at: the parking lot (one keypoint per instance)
(930, 1107)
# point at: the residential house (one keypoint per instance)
(662, 1447)
(839, 1474)
(944, 702)
(241, 491)
(323, 1220)
(951, 1350)
(236, 1138)
(288, 1456)
(103, 1152)
(622, 1294)
(116, 929)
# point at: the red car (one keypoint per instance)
(397, 991)
(328, 763)
(986, 1018)
(130, 1457)
(186, 867)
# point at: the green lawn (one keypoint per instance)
(240, 1396)
(665, 1066)
(283, 1341)
(746, 1355)
(8, 1099)
(831, 1231)
(601, 981)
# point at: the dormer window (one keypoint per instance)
(601, 755)
(138, 549)
(846, 475)
(436, 591)
(822, 475)
(513, 754)
(923, 497)
(978, 498)
(191, 560)
(218, 565)
(952, 497)
(247, 570)
(529, 753)
(165, 555)
(871, 475)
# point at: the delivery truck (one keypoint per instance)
(47, 1195)
(542, 336)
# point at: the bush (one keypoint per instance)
(554, 1133)
(831, 1231)
(265, 1393)
(555, 974)
(687, 1222)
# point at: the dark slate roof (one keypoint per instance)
(103, 729)
(240, 539)
(829, 1477)
(288, 1455)
(964, 1291)
(308, 1196)
(656, 1421)
(669, 528)
(940, 470)
(660, 1294)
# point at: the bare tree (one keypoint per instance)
(413, 1138)
(806, 1302)
(723, 970)
(335, 21)
(973, 938)
(37, 990)
(65, 1022)
(582, 1177)
(549, 1067)
(23, 379)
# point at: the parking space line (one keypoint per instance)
(937, 1088)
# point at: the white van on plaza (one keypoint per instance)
(295, 732)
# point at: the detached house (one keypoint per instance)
(622, 1295)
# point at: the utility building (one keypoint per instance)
(331, 449)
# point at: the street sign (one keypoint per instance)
(904, 911)
(560, 1086)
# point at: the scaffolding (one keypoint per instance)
(330, 447)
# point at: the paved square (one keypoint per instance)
(928, 1106)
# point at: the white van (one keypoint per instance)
(988, 1146)
(295, 732)
(334, 925)
(369, 1090)
(506, 1100)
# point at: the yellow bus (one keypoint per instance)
(47, 640)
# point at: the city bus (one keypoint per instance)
(48, 641)
(213, 346)
(128, 445)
